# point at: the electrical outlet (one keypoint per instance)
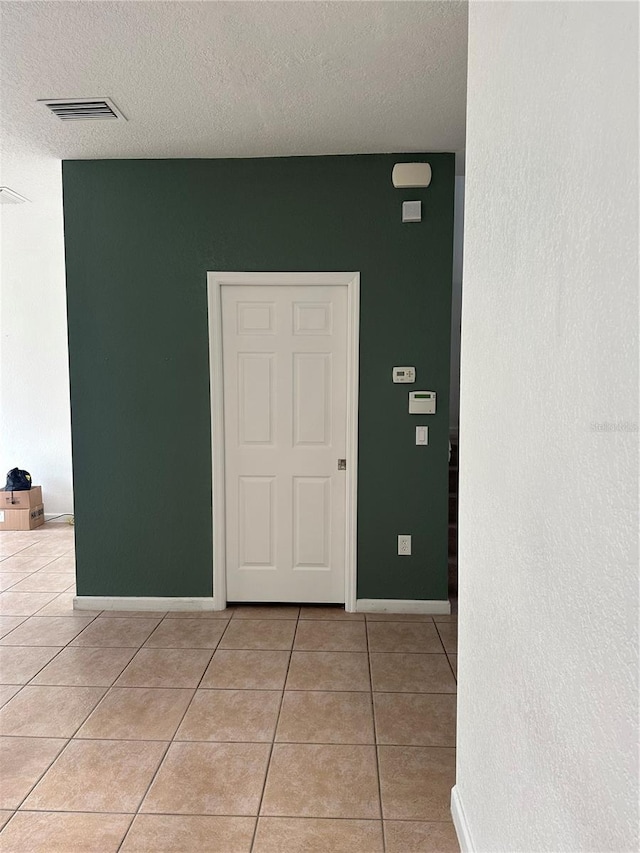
(404, 545)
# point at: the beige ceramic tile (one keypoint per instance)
(116, 632)
(316, 717)
(231, 715)
(21, 563)
(62, 564)
(418, 837)
(23, 603)
(329, 612)
(415, 719)
(416, 782)
(200, 614)
(4, 816)
(137, 713)
(314, 635)
(403, 637)
(265, 611)
(7, 551)
(328, 671)
(317, 835)
(187, 634)
(240, 669)
(453, 660)
(62, 605)
(48, 711)
(8, 580)
(189, 834)
(47, 547)
(209, 778)
(407, 673)
(8, 691)
(313, 780)
(399, 617)
(79, 667)
(23, 761)
(18, 664)
(274, 634)
(165, 668)
(449, 636)
(57, 832)
(45, 582)
(8, 623)
(98, 776)
(451, 617)
(46, 631)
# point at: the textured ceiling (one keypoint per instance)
(237, 79)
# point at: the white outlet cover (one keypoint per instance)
(404, 544)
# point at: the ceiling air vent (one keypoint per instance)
(82, 109)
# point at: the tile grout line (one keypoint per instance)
(274, 817)
(275, 732)
(49, 766)
(375, 736)
(173, 740)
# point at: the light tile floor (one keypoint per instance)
(263, 729)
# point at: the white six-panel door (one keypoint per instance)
(285, 427)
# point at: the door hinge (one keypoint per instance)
(342, 464)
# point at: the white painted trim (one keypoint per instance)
(134, 602)
(437, 607)
(216, 380)
(460, 822)
(215, 281)
(353, 397)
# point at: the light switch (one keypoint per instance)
(422, 435)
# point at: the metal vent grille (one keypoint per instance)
(82, 109)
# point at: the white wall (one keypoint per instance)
(35, 430)
(548, 665)
(456, 304)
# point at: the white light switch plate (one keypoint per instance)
(422, 435)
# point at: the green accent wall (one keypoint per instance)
(140, 236)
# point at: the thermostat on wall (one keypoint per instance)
(404, 374)
(422, 402)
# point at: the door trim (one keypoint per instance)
(215, 282)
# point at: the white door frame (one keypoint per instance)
(215, 282)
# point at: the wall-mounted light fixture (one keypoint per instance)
(411, 175)
(8, 196)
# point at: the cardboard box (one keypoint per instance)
(21, 500)
(21, 519)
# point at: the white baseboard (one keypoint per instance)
(460, 822)
(398, 605)
(126, 602)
